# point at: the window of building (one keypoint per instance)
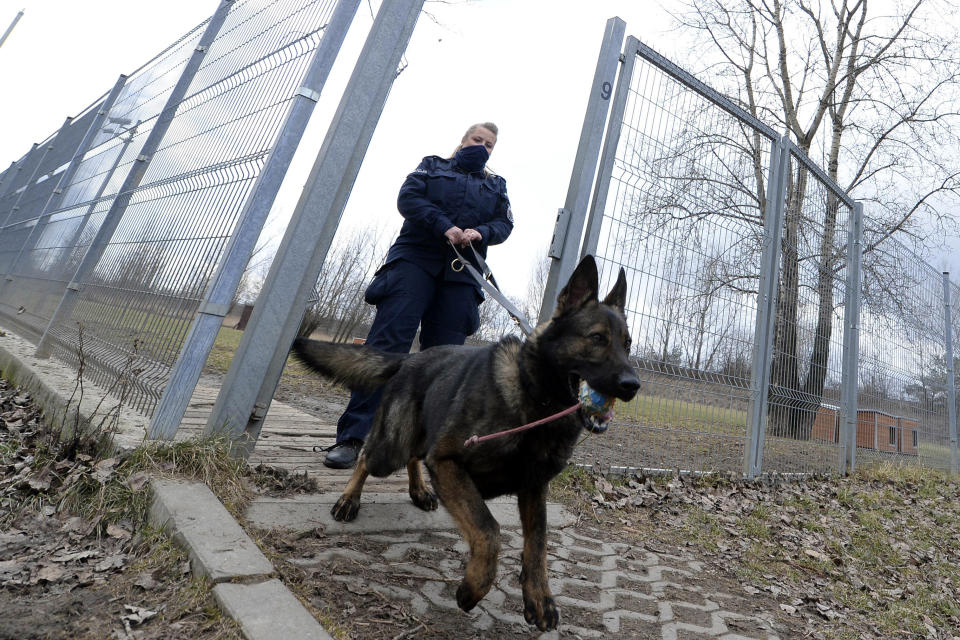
(893, 435)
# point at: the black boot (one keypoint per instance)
(343, 455)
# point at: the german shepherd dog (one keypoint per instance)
(436, 399)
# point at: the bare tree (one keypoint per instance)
(339, 292)
(254, 273)
(875, 95)
(536, 287)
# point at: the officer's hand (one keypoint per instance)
(454, 235)
(471, 235)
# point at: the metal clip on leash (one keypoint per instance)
(489, 284)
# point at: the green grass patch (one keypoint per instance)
(673, 413)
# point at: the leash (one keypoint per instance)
(598, 407)
(489, 284)
(530, 425)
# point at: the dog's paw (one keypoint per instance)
(542, 612)
(426, 500)
(467, 598)
(346, 509)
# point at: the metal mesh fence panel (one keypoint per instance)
(137, 305)
(43, 255)
(902, 414)
(804, 411)
(683, 215)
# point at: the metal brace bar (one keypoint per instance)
(308, 93)
(214, 309)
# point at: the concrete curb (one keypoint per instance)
(246, 587)
(267, 611)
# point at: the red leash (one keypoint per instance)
(490, 436)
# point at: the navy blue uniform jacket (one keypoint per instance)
(440, 195)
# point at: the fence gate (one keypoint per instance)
(751, 324)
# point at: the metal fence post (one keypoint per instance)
(849, 383)
(219, 294)
(566, 242)
(766, 306)
(951, 382)
(134, 176)
(248, 388)
(609, 153)
(33, 174)
(7, 178)
(56, 196)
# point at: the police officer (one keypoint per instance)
(446, 200)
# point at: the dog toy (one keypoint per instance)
(597, 407)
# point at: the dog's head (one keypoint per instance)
(589, 338)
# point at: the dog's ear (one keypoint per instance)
(580, 289)
(617, 298)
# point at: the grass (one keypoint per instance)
(672, 413)
(295, 376)
(874, 537)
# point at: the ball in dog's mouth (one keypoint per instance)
(597, 407)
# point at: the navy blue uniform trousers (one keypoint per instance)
(407, 297)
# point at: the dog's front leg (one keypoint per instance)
(346, 508)
(538, 605)
(460, 496)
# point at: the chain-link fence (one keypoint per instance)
(117, 247)
(746, 308)
(691, 249)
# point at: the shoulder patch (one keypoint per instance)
(509, 213)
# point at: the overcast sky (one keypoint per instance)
(525, 64)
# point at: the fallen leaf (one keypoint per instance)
(78, 555)
(10, 567)
(50, 573)
(112, 562)
(138, 480)
(145, 581)
(817, 555)
(115, 531)
(104, 470)
(39, 482)
(137, 615)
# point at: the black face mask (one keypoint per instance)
(472, 158)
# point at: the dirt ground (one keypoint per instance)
(67, 576)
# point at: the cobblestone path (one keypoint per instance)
(603, 589)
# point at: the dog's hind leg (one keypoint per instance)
(478, 526)
(538, 605)
(419, 493)
(346, 508)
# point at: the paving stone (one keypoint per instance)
(643, 596)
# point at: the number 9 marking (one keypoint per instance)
(605, 90)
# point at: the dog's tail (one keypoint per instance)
(357, 367)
